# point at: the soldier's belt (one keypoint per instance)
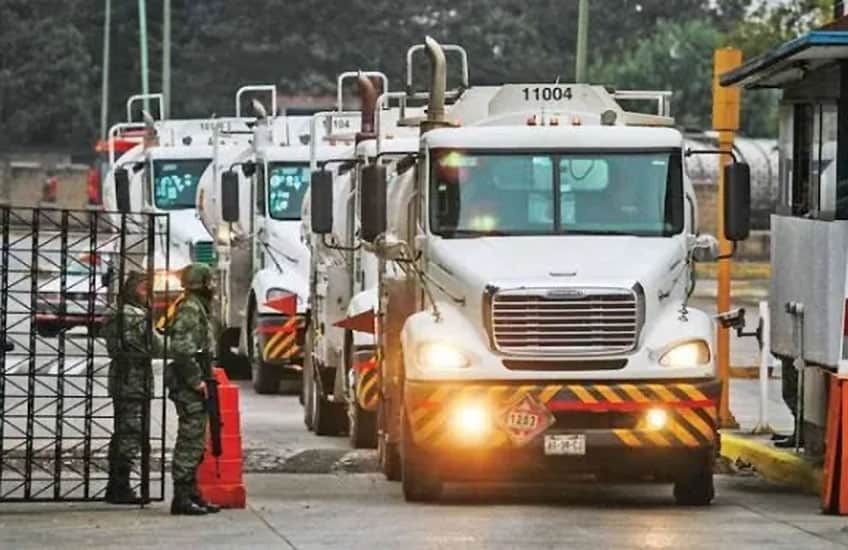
(608, 414)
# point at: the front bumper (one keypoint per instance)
(280, 337)
(611, 417)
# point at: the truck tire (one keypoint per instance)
(306, 382)
(697, 488)
(266, 378)
(363, 426)
(388, 453)
(420, 481)
(362, 423)
(236, 366)
(327, 418)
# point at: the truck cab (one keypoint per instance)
(537, 322)
(264, 272)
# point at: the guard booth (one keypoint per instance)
(809, 227)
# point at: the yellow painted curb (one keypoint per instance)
(775, 465)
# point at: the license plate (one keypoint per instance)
(574, 445)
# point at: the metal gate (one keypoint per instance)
(61, 273)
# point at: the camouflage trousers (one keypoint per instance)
(190, 445)
(127, 437)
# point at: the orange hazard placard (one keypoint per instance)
(525, 419)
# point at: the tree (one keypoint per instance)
(678, 59)
(46, 74)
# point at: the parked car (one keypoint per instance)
(85, 297)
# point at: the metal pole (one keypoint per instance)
(104, 86)
(582, 41)
(166, 58)
(142, 40)
(726, 122)
(762, 426)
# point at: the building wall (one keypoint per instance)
(22, 178)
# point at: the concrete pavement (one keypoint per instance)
(365, 511)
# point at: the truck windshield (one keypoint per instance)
(597, 193)
(287, 184)
(175, 182)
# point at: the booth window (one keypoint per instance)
(803, 188)
(808, 162)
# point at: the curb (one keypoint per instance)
(775, 465)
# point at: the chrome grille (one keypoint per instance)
(565, 321)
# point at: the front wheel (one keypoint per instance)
(421, 481)
(362, 422)
(266, 377)
(697, 488)
(327, 417)
(236, 366)
(388, 452)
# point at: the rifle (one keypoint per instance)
(213, 407)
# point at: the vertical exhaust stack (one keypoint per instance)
(151, 136)
(262, 132)
(368, 94)
(438, 86)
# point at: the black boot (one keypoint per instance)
(183, 506)
(210, 508)
(118, 493)
(788, 442)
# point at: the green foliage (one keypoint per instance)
(46, 74)
(50, 51)
(678, 59)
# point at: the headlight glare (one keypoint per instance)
(441, 356)
(688, 354)
(167, 281)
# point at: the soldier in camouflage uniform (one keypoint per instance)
(130, 345)
(190, 333)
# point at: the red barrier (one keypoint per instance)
(220, 479)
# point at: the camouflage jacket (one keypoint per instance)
(131, 347)
(189, 332)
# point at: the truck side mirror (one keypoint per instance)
(737, 201)
(230, 196)
(321, 202)
(372, 212)
(122, 190)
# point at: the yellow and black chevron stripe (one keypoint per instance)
(368, 389)
(282, 344)
(691, 411)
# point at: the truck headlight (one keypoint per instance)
(441, 356)
(694, 353)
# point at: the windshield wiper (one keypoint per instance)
(613, 233)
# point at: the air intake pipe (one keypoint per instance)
(368, 94)
(438, 85)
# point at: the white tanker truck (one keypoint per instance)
(250, 200)
(341, 383)
(161, 175)
(533, 318)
